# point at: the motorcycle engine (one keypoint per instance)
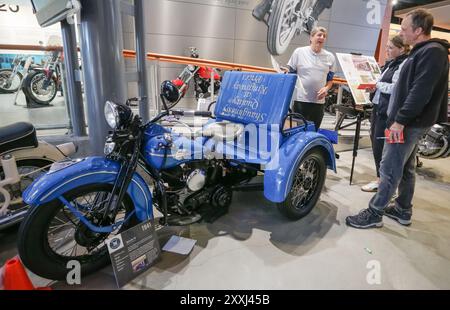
(196, 180)
(435, 143)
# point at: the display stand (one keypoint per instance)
(31, 104)
(361, 113)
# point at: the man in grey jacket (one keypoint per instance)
(419, 101)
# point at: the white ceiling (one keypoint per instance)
(440, 11)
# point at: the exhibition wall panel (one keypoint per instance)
(227, 29)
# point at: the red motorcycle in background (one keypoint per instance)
(176, 89)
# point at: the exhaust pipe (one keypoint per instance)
(12, 218)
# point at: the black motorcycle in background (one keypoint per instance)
(42, 83)
(436, 142)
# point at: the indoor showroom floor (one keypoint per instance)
(255, 247)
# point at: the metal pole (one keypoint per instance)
(339, 101)
(103, 64)
(64, 91)
(212, 85)
(157, 81)
(140, 59)
(355, 144)
(71, 70)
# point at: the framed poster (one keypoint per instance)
(361, 72)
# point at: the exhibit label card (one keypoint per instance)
(133, 251)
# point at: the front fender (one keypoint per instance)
(278, 179)
(90, 170)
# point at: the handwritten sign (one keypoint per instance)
(259, 98)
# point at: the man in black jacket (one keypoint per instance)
(419, 100)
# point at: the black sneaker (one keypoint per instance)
(404, 219)
(366, 218)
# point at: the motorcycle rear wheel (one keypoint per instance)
(307, 185)
(51, 236)
(24, 167)
(4, 75)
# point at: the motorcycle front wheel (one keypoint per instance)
(37, 90)
(51, 236)
(282, 25)
(9, 85)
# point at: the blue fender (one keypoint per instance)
(279, 177)
(90, 170)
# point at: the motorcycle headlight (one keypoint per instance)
(117, 115)
(111, 114)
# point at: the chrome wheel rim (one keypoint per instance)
(8, 83)
(37, 87)
(62, 230)
(305, 183)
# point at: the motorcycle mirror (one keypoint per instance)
(164, 102)
(134, 99)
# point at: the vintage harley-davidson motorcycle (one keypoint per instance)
(190, 175)
(22, 159)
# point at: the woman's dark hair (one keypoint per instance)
(399, 43)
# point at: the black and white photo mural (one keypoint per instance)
(286, 18)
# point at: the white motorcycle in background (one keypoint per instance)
(10, 79)
(285, 18)
(22, 159)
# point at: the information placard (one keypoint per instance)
(133, 251)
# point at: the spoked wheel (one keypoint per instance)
(30, 170)
(306, 186)
(282, 25)
(51, 235)
(9, 83)
(40, 89)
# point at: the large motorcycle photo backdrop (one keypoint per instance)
(286, 18)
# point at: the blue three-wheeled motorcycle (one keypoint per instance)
(187, 176)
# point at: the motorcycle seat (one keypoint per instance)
(223, 130)
(17, 136)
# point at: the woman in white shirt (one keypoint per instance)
(397, 51)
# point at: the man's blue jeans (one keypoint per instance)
(397, 170)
